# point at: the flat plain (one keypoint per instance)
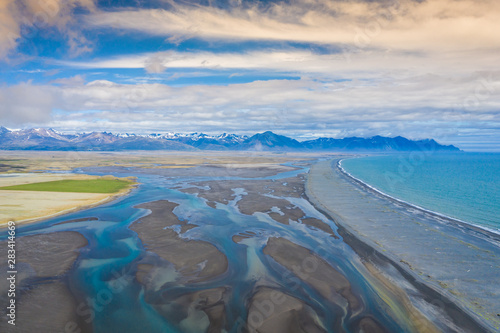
(207, 242)
(28, 197)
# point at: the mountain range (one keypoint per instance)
(49, 139)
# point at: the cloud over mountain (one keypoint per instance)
(339, 68)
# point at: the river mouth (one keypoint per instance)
(219, 250)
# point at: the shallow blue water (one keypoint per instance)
(465, 186)
(104, 270)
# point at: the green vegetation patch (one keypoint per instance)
(74, 185)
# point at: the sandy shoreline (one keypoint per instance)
(81, 201)
(374, 234)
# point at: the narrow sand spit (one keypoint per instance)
(457, 266)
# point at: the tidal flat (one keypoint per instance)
(231, 243)
(44, 302)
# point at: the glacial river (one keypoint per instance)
(113, 248)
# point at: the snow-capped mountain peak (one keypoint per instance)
(49, 139)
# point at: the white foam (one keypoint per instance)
(495, 231)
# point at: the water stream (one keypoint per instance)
(102, 278)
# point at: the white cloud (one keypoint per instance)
(304, 62)
(425, 106)
(36, 15)
(412, 68)
(70, 81)
(406, 24)
(25, 104)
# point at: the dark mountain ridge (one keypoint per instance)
(49, 139)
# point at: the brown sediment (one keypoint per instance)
(318, 274)
(314, 222)
(178, 306)
(83, 219)
(368, 325)
(211, 302)
(251, 170)
(49, 255)
(43, 303)
(187, 227)
(243, 235)
(255, 199)
(222, 191)
(217, 193)
(143, 273)
(272, 311)
(204, 307)
(161, 213)
(47, 308)
(252, 203)
(196, 260)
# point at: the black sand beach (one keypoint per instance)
(456, 269)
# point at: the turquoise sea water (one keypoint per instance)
(464, 186)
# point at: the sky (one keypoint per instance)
(301, 68)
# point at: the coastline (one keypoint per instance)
(409, 265)
(376, 262)
(495, 234)
(391, 283)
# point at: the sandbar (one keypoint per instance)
(44, 303)
(273, 311)
(197, 260)
(258, 198)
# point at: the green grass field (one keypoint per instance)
(72, 185)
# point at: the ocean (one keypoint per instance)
(463, 186)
